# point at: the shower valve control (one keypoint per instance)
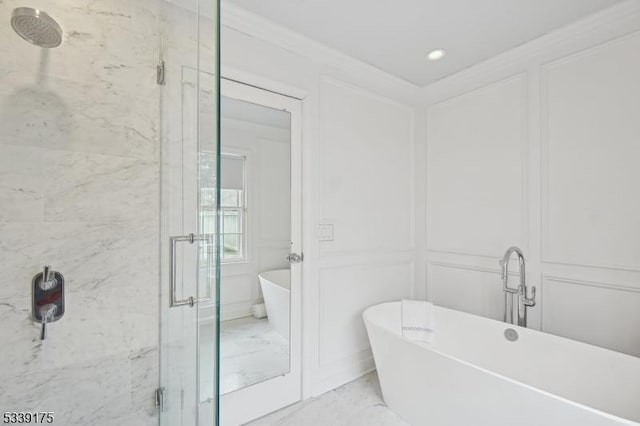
(47, 298)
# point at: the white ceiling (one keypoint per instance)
(395, 36)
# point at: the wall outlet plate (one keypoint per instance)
(325, 232)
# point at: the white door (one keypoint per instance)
(260, 367)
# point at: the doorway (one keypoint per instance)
(260, 243)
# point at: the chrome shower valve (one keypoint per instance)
(47, 303)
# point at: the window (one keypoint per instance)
(232, 235)
(232, 206)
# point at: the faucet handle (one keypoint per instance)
(43, 331)
(48, 278)
(530, 301)
(47, 312)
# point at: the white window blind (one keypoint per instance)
(232, 172)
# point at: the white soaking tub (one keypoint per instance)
(471, 375)
(276, 290)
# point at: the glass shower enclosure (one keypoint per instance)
(109, 157)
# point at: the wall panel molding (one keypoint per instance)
(589, 284)
(470, 267)
(387, 179)
(469, 103)
(361, 257)
(596, 312)
(591, 265)
(609, 171)
(599, 284)
(470, 288)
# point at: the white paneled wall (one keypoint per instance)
(503, 157)
(358, 175)
(475, 170)
(545, 158)
(345, 291)
(367, 205)
(366, 180)
(469, 288)
(597, 312)
(591, 149)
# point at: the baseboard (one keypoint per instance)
(338, 376)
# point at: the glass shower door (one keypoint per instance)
(189, 319)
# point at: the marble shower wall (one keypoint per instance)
(79, 190)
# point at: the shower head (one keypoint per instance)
(36, 27)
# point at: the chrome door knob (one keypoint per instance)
(295, 258)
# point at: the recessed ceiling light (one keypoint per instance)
(436, 55)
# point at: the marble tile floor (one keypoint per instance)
(358, 403)
(250, 352)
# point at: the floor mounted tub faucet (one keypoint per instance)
(521, 291)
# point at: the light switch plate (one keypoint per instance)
(325, 232)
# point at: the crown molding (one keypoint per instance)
(606, 25)
(254, 25)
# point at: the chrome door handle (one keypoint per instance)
(295, 258)
(173, 301)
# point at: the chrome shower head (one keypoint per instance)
(36, 27)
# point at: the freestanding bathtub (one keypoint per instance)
(276, 287)
(471, 375)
